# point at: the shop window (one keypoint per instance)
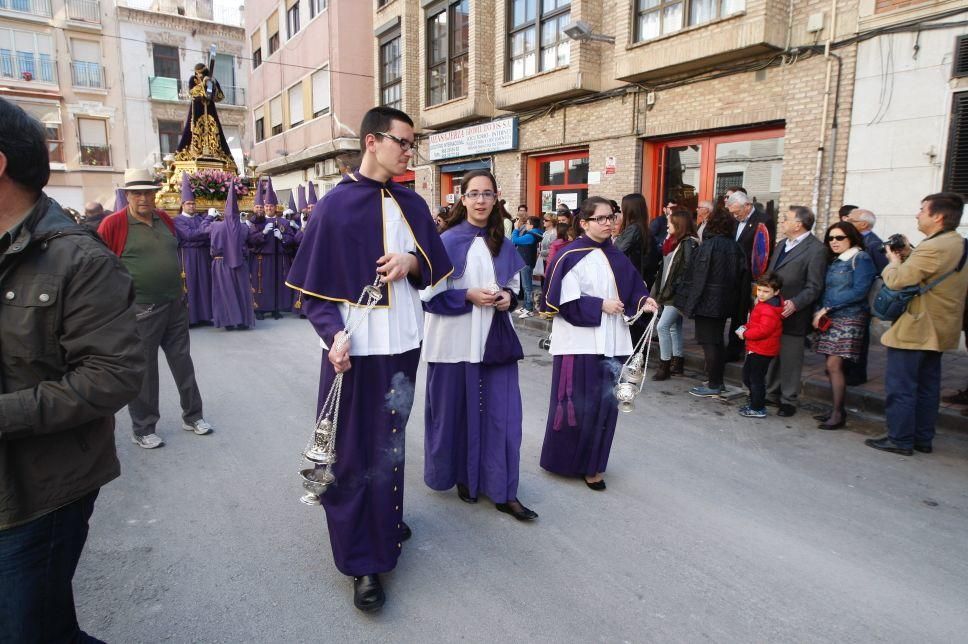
(956, 164)
(654, 18)
(169, 134)
(391, 81)
(537, 27)
(448, 44)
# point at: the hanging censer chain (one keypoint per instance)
(631, 378)
(321, 450)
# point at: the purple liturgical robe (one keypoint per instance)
(472, 411)
(582, 413)
(192, 232)
(269, 262)
(232, 304)
(337, 258)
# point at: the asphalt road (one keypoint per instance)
(713, 528)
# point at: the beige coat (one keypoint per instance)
(932, 321)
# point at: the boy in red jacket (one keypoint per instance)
(762, 335)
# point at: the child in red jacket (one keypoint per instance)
(762, 335)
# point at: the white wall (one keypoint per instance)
(899, 125)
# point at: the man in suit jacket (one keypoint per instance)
(930, 325)
(744, 232)
(801, 262)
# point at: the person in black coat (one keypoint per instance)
(709, 295)
(637, 243)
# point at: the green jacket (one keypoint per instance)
(70, 357)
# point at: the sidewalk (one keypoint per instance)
(867, 399)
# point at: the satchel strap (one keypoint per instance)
(961, 264)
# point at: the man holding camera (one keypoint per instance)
(930, 325)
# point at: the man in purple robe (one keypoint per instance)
(232, 305)
(269, 235)
(368, 225)
(191, 229)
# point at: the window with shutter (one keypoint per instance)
(320, 92)
(956, 165)
(275, 115)
(961, 57)
(295, 105)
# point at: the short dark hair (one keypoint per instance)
(590, 205)
(524, 205)
(24, 142)
(853, 235)
(804, 215)
(535, 221)
(771, 280)
(845, 210)
(380, 119)
(949, 205)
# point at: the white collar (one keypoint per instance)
(790, 243)
(848, 254)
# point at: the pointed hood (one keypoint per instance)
(301, 197)
(271, 199)
(311, 198)
(186, 189)
(120, 200)
(232, 252)
(258, 193)
(292, 202)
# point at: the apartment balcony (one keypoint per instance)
(36, 8)
(173, 89)
(87, 75)
(86, 11)
(26, 67)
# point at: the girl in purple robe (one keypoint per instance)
(591, 285)
(472, 413)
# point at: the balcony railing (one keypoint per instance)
(96, 155)
(32, 7)
(173, 89)
(87, 75)
(27, 66)
(83, 10)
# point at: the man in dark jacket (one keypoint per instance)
(800, 261)
(70, 357)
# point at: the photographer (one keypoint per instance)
(930, 325)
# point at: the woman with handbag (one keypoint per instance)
(844, 317)
(472, 413)
(678, 249)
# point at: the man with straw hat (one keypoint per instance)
(144, 238)
(192, 230)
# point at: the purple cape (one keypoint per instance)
(344, 238)
(458, 240)
(628, 281)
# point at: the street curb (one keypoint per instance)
(867, 403)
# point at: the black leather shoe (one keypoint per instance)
(885, 444)
(822, 417)
(523, 514)
(832, 426)
(260, 316)
(405, 532)
(368, 593)
(465, 494)
(924, 449)
(598, 486)
(786, 410)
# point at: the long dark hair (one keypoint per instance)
(853, 236)
(683, 224)
(635, 212)
(495, 220)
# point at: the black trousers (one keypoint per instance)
(754, 377)
(709, 335)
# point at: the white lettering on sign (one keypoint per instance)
(477, 139)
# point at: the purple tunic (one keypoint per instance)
(193, 253)
(232, 303)
(472, 411)
(269, 263)
(583, 412)
(336, 259)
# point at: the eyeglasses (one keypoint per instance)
(405, 145)
(604, 219)
(474, 195)
(837, 238)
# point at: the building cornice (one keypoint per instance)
(182, 23)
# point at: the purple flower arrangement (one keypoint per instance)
(215, 184)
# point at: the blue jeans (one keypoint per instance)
(37, 564)
(669, 327)
(527, 283)
(913, 387)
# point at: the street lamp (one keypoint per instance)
(580, 30)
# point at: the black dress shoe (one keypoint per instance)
(822, 417)
(405, 532)
(368, 593)
(924, 449)
(260, 315)
(786, 410)
(522, 514)
(465, 494)
(885, 444)
(598, 486)
(832, 426)
(276, 315)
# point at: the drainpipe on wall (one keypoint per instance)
(828, 197)
(818, 175)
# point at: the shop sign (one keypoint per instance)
(495, 136)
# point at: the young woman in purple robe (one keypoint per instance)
(592, 285)
(472, 413)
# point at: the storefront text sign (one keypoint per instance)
(495, 136)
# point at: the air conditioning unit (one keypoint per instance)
(325, 168)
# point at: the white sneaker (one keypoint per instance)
(150, 441)
(525, 313)
(200, 427)
(518, 311)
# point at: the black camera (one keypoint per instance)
(544, 344)
(896, 242)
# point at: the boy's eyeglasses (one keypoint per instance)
(404, 144)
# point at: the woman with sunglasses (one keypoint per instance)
(843, 319)
(592, 286)
(472, 413)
